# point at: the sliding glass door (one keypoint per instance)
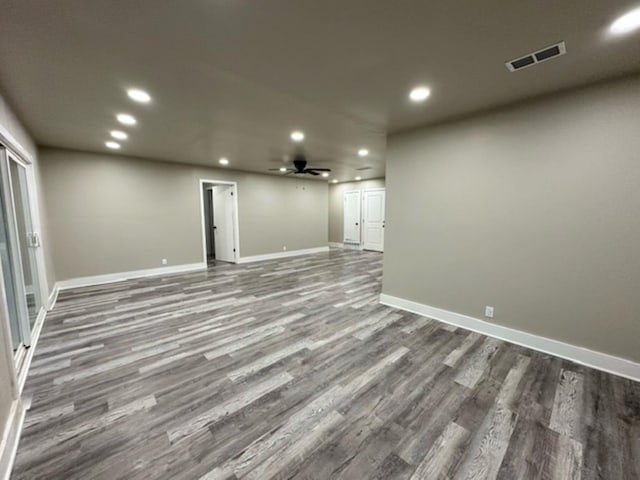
(18, 244)
(26, 238)
(9, 276)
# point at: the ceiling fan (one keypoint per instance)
(300, 167)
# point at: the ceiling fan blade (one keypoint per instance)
(319, 169)
(311, 172)
(274, 169)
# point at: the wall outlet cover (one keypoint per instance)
(164, 261)
(488, 311)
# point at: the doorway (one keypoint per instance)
(373, 219)
(219, 209)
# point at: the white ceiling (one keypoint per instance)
(233, 78)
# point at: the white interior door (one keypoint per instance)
(352, 217)
(373, 222)
(223, 228)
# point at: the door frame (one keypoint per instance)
(15, 255)
(234, 214)
(20, 362)
(34, 210)
(364, 192)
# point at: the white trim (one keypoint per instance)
(35, 335)
(11, 142)
(236, 227)
(275, 256)
(336, 245)
(584, 356)
(118, 277)
(53, 296)
(11, 438)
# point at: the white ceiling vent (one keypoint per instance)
(537, 57)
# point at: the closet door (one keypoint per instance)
(373, 220)
(352, 217)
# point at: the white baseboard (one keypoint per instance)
(10, 438)
(290, 253)
(591, 358)
(53, 296)
(118, 277)
(348, 246)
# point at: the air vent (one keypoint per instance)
(537, 57)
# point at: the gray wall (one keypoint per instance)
(532, 209)
(336, 204)
(110, 213)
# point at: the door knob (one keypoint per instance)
(356, 224)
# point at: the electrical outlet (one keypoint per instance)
(164, 261)
(284, 248)
(488, 311)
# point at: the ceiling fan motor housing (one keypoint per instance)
(300, 163)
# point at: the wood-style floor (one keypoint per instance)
(292, 370)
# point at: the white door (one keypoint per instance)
(352, 217)
(223, 205)
(373, 220)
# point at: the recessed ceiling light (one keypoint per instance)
(119, 134)
(358, 178)
(334, 181)
(363, 152)
(223, 161)
(126, 119)
(627, 23)
(419, 94)
(138, 95)
(325, 174)
(283, 169)
(112, 145)
(297, 136)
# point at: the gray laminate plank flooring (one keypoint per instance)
(291, 369)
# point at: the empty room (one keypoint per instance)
(312, 240)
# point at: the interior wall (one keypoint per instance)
(111, 213)
(531, 209)
(336, 204)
